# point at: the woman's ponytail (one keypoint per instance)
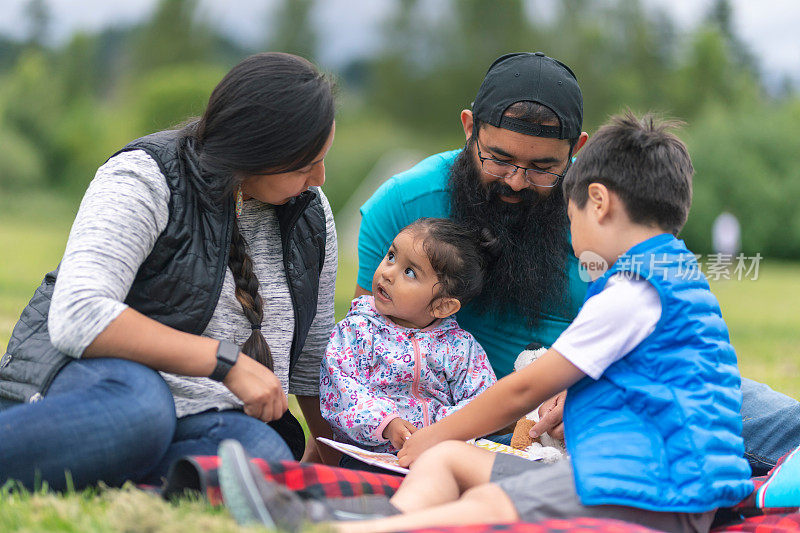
(247, 294)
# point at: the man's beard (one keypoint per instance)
(529, 274)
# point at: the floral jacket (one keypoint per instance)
(375, 371)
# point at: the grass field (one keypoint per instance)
(761, 314)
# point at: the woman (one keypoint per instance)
(187, 244)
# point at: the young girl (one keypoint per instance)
(399, 361)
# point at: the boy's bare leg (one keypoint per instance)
(442, 474)
(483, 504)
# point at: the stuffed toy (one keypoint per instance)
(545, 447)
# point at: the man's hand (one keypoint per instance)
(551, 418)
(420, 441)
(258, 388)
(398, 431)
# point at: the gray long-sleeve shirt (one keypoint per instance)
(124, 211)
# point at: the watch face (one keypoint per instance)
(227, 352)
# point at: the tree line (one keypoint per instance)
(65, 109)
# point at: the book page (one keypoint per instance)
(389, 461)
(383, 460)
(496, 447)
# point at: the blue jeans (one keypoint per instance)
(113, 420)
(770, 425)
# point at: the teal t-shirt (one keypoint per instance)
(422, 191)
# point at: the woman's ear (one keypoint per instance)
(444, 307)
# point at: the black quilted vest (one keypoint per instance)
(179, 283)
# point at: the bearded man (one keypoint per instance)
(524, 127)
(521, 134)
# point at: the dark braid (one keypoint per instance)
(246, 282)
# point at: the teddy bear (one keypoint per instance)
(545, 447)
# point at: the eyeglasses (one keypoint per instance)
(505, 170)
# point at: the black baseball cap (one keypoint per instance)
(535, 77)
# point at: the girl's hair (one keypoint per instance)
(459, 256)
(271, 113)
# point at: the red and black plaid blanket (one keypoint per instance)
(200, 474)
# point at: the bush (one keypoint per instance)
(21, 164)
(746, 162)
(169, 95)
(363, 136)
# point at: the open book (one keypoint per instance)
(389, 461)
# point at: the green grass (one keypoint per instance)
(33, 233)
(102, 510)
(764, 322)
(761, 315)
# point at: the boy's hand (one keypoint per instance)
(398, 431)
(420, 441)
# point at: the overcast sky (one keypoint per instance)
(349, 27)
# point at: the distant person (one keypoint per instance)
(652, 408)
(522, 131)
(726, 235)
(399, 361)
(195, 293)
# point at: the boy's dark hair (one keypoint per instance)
(458, 255)
(648, 167)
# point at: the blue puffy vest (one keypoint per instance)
(661, 428)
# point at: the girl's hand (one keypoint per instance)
(398, 431)
(417, 443)
(258, 388)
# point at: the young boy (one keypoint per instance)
(652, 412)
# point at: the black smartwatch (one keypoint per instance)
(227, 354)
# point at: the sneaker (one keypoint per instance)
(252, 499)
